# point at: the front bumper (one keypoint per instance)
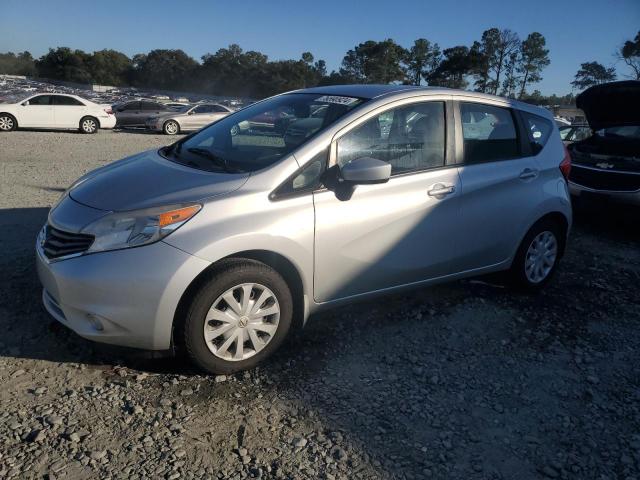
(124, 297)
(632, 198)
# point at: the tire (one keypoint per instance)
(170, 127)
(7, 122)
(89, 125)
(261, 335)
(538, 255)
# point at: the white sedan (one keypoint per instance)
(56, 111)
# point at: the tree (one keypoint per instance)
(422, 60)
(65, 64)
(534, 57)
(231, 71)
(490, 57)
(110, 67)
(593, 73)
(17, 64)
(375, 62)
(165, 69)
(510, 82)
(452, 71)
(630, 54)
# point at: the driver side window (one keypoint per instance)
(411, 138)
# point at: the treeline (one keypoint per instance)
(500, 62)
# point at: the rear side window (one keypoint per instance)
(489, 133)
(61, 100)
(539, 130)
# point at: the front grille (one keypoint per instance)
(59, 243)
(604, 180)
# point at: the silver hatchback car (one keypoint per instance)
(224, 241)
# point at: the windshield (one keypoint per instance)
(260, 134)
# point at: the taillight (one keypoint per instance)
(565, 165)
(109, 111)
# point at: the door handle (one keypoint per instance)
(440, 190)
(528, 173)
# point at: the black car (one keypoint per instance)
(136, 112)
(607, 163)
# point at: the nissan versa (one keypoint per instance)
(223, 241)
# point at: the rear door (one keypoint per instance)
(68, 111)
(374, 237)
(37, 112)
(499, 183)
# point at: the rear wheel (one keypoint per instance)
(538, 255)
(7, 122)
(171, 127)
(239, 317)
(89, 125)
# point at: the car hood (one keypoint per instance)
(147, 180)
(611, 104)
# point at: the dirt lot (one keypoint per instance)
(467, 380)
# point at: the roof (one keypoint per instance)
(374, 91)
(362, 91)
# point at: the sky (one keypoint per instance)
(576, 31)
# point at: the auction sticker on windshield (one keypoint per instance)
(340, 100)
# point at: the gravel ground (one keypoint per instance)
(466, 380)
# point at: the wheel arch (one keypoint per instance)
(90, 116)
(556, 217)
(277, 261)
(172, 120)
(15, 119)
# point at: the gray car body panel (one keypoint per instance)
(386, 237)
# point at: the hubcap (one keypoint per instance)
(6, 123)
(541, 256)
(171, 128)
(89, 125)
(241, 322)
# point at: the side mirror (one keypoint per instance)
(191, 112)
(25, 103)
(366, 171)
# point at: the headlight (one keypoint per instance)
(140, 227)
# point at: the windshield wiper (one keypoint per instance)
(219, 161)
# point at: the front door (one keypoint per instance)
(37, 112)
(373, 237)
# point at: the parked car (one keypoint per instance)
(220, 243)
(56, 111)
(187, 119)
(607, 163)
(135, 113)
(574, 133)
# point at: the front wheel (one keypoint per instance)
(538, 255)
(238, 318)
(89, 125)
(7, 122)
(170, 127)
